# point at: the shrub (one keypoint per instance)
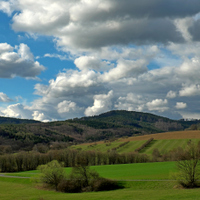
(52, 173)
(70, 186)
(188, 165)
(81, 179)
(103, 184)
(84, 175)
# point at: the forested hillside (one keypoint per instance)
(9, 120)
(17, 134)
(143, 122)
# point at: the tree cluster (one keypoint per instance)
(81, 178)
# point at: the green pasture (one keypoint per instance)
(137, 171)
(152, 183)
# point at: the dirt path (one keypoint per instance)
(6, 176)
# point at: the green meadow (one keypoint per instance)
(141, 181)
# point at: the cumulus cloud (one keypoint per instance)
(191, 90)
(94, 24)
(158, 105)
(8, 6)
(102, 103)
(131, 102)
(134, 86)
(69, 109)
(180, 105)
(88, 25)
(68, 83)
(66, 106)
(20, 63)
(91, 62)
(124, 69)
(39, 116)
(4, 47)
(25, 53)
(18, 111)
(135, 55)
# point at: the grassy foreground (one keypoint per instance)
(152, 184)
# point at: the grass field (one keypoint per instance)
(138, 171)
(142, 181)
(156, 187)
(163, 142)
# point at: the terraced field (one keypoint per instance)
(162, 141)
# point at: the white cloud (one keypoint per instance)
(125, 69)
(8, 6)
(17, 111)
(66, 106)
(4, 97)
(188, 70)
(39, 116)
(185, 50)
(158, 105)
(4, 47)
(25, 53)
(91, 62)
(68, 83)
(61, 57)
(87, 25)
(19, 63)
(116, 47)
(131, 102)
(191, 90)
(102, 103)
(171, 94)
(180, 105)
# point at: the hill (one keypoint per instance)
(16, 134)
(9, 120)
(138, 122)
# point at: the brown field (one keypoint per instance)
(188, 134)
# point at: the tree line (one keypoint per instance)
(25, 161)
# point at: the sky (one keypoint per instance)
(65, 59)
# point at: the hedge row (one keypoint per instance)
(144, 145)
(121, 145)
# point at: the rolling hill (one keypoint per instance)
(18, 134)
